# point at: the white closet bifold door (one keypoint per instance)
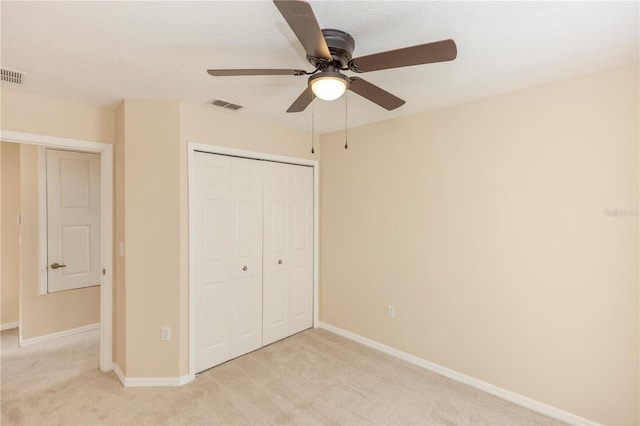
(228, 257)
(276, 289)
(301, 249)
(245, 301)
(253, 255)
(288, 250)
(212, 213)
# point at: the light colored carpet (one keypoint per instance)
(315, 377)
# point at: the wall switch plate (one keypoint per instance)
(391, 311)
(166, 334)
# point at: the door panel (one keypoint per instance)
(74, 241)
(288, 250)
(214, 295)
(299, 291)
(301, 264)
(245, 228)
(276, 290)
(246, 245)
(212, 215)
(216, 239)
(279, 307)
(277, 226)
(228, 253)
(73, 219)
(75, 176)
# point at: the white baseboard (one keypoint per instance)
(8, 326)
(119, 373)
(52, 336)
(133, 382)
(529, 403)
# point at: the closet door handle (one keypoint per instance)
(244, 268)
(280, 262)
(56, 265)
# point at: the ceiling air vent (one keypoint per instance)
(224, 104)
(11, 76)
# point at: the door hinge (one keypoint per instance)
(104, 271)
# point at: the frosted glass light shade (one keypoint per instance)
(328, 85)
(328, 88)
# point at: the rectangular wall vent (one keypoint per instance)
(10, 76)
(224, 104)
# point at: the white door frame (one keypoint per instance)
(106, 285)
(214, 149)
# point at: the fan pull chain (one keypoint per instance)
(346, 126)
(313, 151)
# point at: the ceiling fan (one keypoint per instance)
(330, 52)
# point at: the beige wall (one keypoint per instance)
(22, 112)
(151, 226)
(485, 225)
(10, 279)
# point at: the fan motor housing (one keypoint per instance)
(341, 46)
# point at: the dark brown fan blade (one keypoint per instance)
(303, 101)
(439, 51)
(375, 94)
(304, 24)
(227, 73)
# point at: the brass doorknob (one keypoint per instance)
(56, 265)
(244, 268)
(280, 262)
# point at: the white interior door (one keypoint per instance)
(73, 220)
(228, 258)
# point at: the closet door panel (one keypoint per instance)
(276, 253)
(245, 302)
(301, 253)
(212, 260)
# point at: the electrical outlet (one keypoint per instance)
(166, 333)
(391, 311)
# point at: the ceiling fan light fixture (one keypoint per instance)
(329, 85)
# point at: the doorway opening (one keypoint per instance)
(105, 152)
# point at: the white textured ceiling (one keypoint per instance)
(102, 52)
